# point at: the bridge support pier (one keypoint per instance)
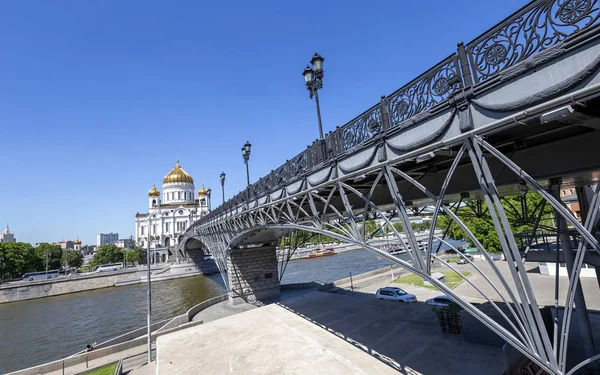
(252, 274)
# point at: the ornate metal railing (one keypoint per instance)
(533, 28)
(537, 26)
(428, 90)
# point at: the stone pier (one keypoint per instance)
(252, 274)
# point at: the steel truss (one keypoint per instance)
(332, 215)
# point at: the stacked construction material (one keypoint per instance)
(450, 321)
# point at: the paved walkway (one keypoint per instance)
(221, 310)
(325, 333)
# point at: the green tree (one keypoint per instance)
(398, 226)
(54, 253)
(521, 212)
(72, 258)
(18, 258)
(135, 255)
(107, 254)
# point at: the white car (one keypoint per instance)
(442, 301)
(395, 294)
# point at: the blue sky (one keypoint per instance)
(98, 99)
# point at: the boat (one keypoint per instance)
(326, 252)
(318, 254)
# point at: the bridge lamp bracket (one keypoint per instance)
(425, 157)
(556, 114)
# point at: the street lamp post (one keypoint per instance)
(313, 76)
(223, 185)
(209, 191)
(149, 293)
(246, 156)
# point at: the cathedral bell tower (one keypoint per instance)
(153, 198)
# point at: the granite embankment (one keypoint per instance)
(25, 290)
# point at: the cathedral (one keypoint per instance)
(170, 213)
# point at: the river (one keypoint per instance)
(46, 329)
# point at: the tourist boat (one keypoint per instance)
(318, 254)
(324, 253)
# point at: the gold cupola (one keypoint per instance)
(201, 193)
(178, 175)
(154, 192)
(77, 242)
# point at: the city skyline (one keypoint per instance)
(100, 99)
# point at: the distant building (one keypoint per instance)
(125, 243)
(88, 249)
(77, 244)
(107, 239)
(569, 197)
(66, 245)
(7, 236)
(168, 217)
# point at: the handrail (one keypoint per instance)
(535, 27)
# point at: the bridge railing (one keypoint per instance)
(536, 27)
(532, 29)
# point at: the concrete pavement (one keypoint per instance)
(325, 333)
(221, 310)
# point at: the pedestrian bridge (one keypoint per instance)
(516, 107)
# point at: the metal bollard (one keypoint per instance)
(351, 283)
(392, 269)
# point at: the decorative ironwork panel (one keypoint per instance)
(430, 89)
(536, 27)
(296, 167)
(360, 129)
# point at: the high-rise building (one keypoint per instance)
(107, 239)
(7, 236)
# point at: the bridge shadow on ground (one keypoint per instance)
(406, 337)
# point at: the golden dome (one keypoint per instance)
(197, 199)
(202, 191)
(154, 192)
(77, 242)
(178, 175)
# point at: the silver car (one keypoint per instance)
(441, 301)
(395, 294)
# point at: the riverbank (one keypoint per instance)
(27, 290)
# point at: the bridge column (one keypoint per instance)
(252, 274)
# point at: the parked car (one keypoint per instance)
(462, 260)
(441, 301)
(395, 294)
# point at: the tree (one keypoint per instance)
(107, 254)
(398, 226)
(18, 259)
(521, 212)
(72, 258)
(54, 253)
(135, 255)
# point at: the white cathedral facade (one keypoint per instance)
(170, 213)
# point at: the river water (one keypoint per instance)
(46, 329)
